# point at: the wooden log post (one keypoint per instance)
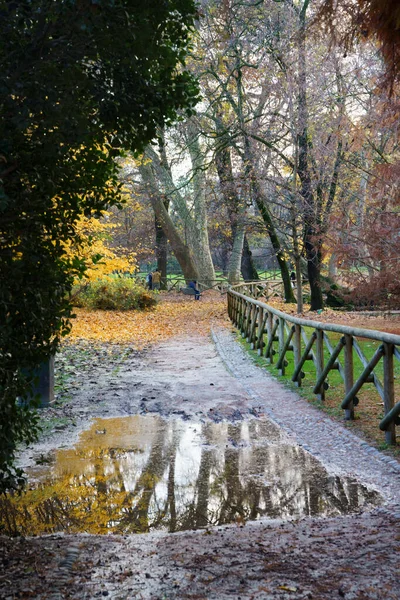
(246, 317)
(319, 356)
(297, 351)
(388, 391)
(238, 312)
(281, 335)
(254, 327)
(241, 317)
(348, 374)
(329, 365)
(269, 352)
(304, 356)
(262, 344)
(250, 322)
(282, 362)
(270, 325)
(260, 330)
(242, 313)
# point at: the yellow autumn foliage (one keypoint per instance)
(92, 244)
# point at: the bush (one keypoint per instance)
(113, 294)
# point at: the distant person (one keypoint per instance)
(149, 280)
(193, 285)
(156, 280)
(293, 279)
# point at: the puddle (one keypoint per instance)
(137, 474)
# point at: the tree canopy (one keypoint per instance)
(81, 81)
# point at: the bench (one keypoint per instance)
(188, 291)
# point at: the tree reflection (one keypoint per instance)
(147, 473)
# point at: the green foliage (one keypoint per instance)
(114, 294)
(80, 81)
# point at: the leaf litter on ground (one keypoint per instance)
(174, 315)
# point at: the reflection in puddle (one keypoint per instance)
(137, 474)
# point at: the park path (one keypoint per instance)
(352, 557)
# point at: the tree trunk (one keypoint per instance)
(303, 170)
(236, 255)
(299, 284)
(179, 248)
(332, 268)
(161, 252)
(225, 174)
(199, 233)
(249, 272)
(273, 236)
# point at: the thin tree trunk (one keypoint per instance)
(310, 233)
(249, 271)
(161, 252)
(236, 255)
(273, 236)
(199, 234)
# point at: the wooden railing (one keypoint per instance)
(274, 334)
(270, 283)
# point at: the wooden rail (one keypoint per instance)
(270, 284)
(274, 334)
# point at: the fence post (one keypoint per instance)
(253, 328)
(281, 335)
(260, 331)
(348, 374)
(241, 313)
(249, 322)
(388, 393)
(245, 318)
(319, 355)
(297, 351)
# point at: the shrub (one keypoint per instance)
(113, 293)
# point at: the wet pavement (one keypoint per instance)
(271, 451)
(144, 473)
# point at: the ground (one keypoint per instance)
(202, 374)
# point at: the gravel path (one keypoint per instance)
(335, 447)
(353, 557)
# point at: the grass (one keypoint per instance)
(369, 411)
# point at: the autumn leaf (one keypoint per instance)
(174, 315)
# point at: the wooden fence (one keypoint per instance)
(274, 334)
(270, 284)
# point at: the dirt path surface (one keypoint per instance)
(203, 379)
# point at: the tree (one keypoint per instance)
(374, 19)
(80, 81)
(188, 199)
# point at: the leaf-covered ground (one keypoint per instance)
(174, 315)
